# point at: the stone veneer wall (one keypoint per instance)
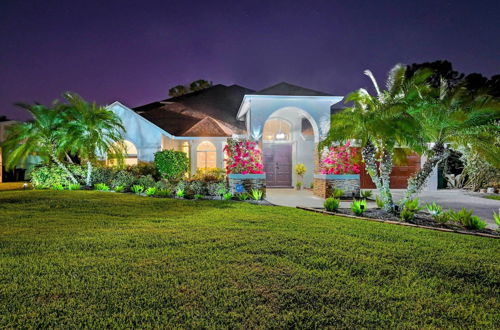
(249, 182)
(325, 184)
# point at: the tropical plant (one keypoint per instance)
(442, 217)
(180, 193)
(475, 223)
(119, 189)
(93, 131)
(339, 160)
(298, 185)
(257, 194)
(45, 176)
(151, 191)
(101, 187)
(164, 192)
(45, 135)
(413, 205)
(466, 219)
(331, 204)
(379, 123)
(434, 208)
(300, 169)
(407, 214)
(496, 217)
(379, 202)
(146, 181)
(366, 193)
(137, 189)
(74, 186)
(172, 165)
(57, 186)
(358, 207)
(337, 193)
(227, 196)
(243, 196)
(453, 118)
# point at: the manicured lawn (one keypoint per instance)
(93, 259)
(495, 197)
(11, 185)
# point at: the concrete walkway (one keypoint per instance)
(455, 199)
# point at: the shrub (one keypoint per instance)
(442, 217)
(45, 176)
(74, 186)
(340, 160)
(101, 187)
(366, 193)
(198, 196)
(216, 189)
(171, 164)
(124, 179)
(379, 202)
(144, 168)
(243, 196)
(146, 181)
(475, 223)
(434, 209)
(358, 207)
(243, 157)
(257, 194)
(137, 189)
(413, 205)
(227, 196)
(209, 175)
(102, 174)
(332, 204)
(300, 169)
(180, 193)
(164, 192)
(151, 191)
(466, 219)
(119, 189)
(407, 214)
(57, 186)
(196, 188)
(337, 193)
(298, 185)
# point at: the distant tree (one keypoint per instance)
(198, 85)
(177, 91)
(4, 118)
(442, 70)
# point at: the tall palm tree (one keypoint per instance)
(379, 123)
(453, 118)
(93, 131)
(44, 136)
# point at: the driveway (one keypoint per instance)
(455, 199)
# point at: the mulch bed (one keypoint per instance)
(422, 220)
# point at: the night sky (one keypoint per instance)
(134, 51)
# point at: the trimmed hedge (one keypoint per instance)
(46, 176)
(171, 164)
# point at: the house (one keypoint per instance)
(287, 120)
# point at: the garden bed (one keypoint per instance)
(421, 220)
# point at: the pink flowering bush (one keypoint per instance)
(340, 160)
(243, 157)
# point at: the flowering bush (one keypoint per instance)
(243, 157)
(340, 160)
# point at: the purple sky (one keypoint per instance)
(134, 51)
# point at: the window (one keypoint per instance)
(185, 149)
(206, 156)
(130, 154)
(277, 130)
(307, 129)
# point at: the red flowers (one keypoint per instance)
(243, 157)
(340, 160)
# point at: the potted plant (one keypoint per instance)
(339, 169)
(300, 170)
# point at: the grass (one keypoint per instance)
(495, 197)
(12, 186)
(92, 259)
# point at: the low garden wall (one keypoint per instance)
(247, 182)
(324, 184)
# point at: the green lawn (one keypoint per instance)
(495, 197)
(93, 259)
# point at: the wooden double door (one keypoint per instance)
(278, 164)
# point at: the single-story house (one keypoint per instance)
(287, 120)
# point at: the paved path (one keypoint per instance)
(455, 199)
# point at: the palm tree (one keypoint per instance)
(380, 123)
(453, 118)
(44, 136)
(198, 85)
(93, 131)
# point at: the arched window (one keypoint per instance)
(206, 156)
(307, 129)
(277, 129)
(129, 153)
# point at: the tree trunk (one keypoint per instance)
(369, 154)
(63, 167)
(385, 174)
(68, 158)
(88, 180)
(418, 180)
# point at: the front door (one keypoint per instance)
(278, 164)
